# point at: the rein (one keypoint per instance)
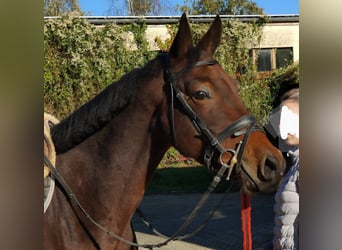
(176, 236)
(235, 129)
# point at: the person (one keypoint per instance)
(286, 208)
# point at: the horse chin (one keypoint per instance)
(249, 186)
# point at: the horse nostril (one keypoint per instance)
(271, 168)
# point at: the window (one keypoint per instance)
(264, 62)
(284, 57)
(268, 59)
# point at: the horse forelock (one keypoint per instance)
(95, 114)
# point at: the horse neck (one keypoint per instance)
(110, 170)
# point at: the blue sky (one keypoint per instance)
(101, 7)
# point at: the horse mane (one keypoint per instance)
(95, 114)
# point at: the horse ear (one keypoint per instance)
(211, 40)
(183, 39)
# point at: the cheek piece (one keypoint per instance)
(289, 123)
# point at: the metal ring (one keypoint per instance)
(226, 150)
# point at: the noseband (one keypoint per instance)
(235, 129)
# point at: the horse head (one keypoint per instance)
(208, 120)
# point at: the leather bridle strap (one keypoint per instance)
(235, 129)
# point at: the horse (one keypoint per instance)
(108, 149)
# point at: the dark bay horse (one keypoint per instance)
(108, 149)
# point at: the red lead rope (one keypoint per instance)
(246, 221)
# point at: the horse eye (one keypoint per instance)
(200, 95)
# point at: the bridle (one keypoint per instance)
(243, 126)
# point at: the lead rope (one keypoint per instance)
(246, 221)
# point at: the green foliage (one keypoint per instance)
(207, 7)
(82, 59)
(242, 7)
(139, 7)
(262, 95)
(256, 97)
(59, 7)
(282, 80)
(174, 159)
(234, 51)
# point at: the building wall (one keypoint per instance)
(275, 35)
(278, 35)
(156, 31)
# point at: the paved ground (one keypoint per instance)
(223, 232)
